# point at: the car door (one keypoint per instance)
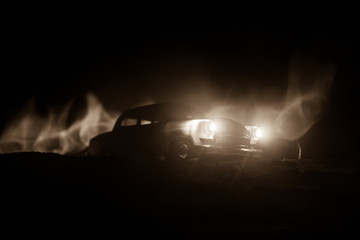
(125, 140)
(150, 132)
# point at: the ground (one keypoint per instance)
(54, 196)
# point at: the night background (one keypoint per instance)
(238, 62)
(203, 57)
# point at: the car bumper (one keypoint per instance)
(231, 151)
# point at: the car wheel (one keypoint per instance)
(180, 150)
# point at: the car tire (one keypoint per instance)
(180, 150)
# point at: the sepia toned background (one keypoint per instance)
(292, 72)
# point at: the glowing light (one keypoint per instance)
(258, 133)
(212, 127)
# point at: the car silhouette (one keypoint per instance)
(175, 131)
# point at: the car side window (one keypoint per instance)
(145, 122)
(156, 119)
(126, 122)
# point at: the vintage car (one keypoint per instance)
(175, 131)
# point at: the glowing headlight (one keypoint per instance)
(212, 127)
(258, 133)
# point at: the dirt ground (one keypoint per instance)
(55, 197)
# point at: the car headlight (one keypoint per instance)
(212, 127)
(258, 133)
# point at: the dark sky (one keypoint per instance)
(143, 56)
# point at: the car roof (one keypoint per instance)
(166, 110)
